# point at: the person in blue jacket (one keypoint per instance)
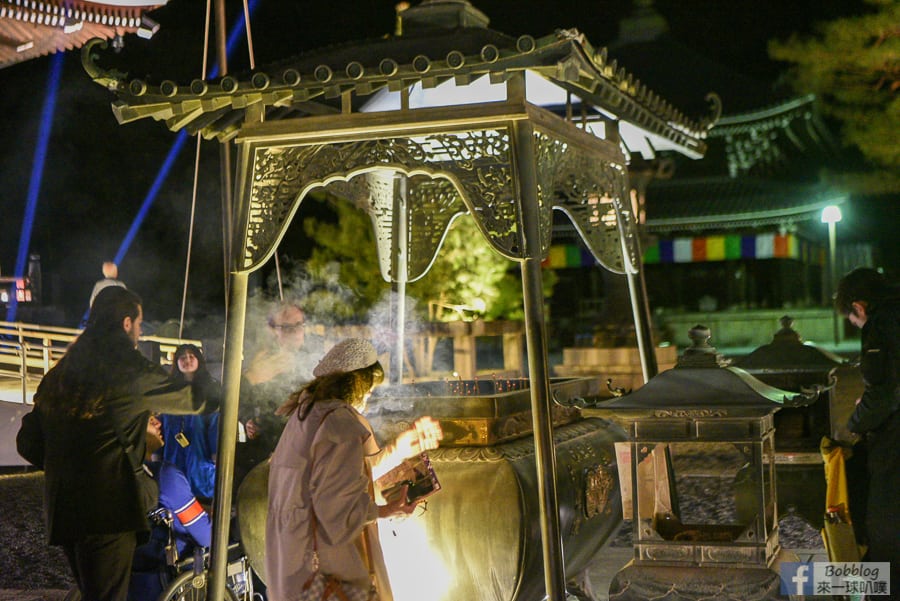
(191, 441)
(191, 525)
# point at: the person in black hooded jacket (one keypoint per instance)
(865, 297)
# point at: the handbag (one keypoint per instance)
(324, 587)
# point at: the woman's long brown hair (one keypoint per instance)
(350, 387)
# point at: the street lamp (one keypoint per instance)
(831, 215)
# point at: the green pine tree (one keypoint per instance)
(853, 65)
(467, 272)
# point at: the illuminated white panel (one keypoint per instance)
(538, 91)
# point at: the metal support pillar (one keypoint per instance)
(637, 287)
(228, 420)
(399, 272)
(236, 312)
(538, 372)
(221, 43)
(640, 308)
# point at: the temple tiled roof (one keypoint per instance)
(694, 204)
(760, 170)
(763, 155)
(33, 28)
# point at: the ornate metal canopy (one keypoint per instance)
(300, 130)
(457, 161)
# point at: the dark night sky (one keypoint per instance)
(98, 172)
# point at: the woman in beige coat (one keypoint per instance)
(319, 478)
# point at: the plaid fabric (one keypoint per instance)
(321, 587)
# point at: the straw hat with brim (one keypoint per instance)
(346, 356)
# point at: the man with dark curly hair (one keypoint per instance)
(88, 433)
(866, 298)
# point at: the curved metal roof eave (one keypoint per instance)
(564, 59)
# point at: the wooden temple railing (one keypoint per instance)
(423, 344)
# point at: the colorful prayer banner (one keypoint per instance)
(562, 256)
(728, 248)
(701, 249)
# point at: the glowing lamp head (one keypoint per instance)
(831, 214)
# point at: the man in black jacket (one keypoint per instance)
(88, 433)
(866, 299)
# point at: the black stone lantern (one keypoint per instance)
(792, 364)
(707, 405)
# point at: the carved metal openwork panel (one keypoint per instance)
(475, 166)
(447, 174)
(592, 191)
(431, 205)
(480, 163)
(275, 184)
(549, 156)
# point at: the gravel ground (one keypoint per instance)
(705, 499)
(30, 570)
(26, 561)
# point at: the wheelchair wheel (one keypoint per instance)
(190, 587)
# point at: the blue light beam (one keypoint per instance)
(37, 173)
(150, 198)
(237, 32)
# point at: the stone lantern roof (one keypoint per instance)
(704, 385)
(788, 352)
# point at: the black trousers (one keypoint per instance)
(101, 564)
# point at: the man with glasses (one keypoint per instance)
(275, 371)
(865, 297)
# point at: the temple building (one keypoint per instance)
(31, 28)
(738, 231)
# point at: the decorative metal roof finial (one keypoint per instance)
(442, 15)
(701, 353)
(787, 333)
(399, 9)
